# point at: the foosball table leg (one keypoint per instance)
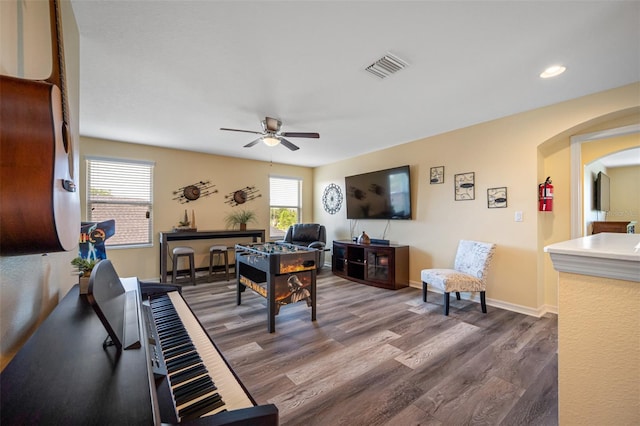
(271, 304)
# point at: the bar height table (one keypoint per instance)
(168, 236)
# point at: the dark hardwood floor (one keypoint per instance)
(383, 357)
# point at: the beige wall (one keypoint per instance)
(175, 169)
(598, 356)
(592, 151)
(625, 194)
(30, 286)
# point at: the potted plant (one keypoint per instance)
(84, 268)
(241, 218)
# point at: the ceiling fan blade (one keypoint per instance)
(238, 130)
(272, 124)
(301, 135)
(250, 144)
(288, 144)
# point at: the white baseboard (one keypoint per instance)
(475, 297)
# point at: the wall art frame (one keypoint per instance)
(497, 197)
(465, 186)
(436, 175)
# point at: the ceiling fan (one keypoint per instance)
(272, 136)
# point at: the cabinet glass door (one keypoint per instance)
(338, 258)
(378, 265)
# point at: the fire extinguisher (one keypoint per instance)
(545, 196)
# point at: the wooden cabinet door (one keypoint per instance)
(338, 259)
(379, 266)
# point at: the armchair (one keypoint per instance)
(310, 235)
(468, 274)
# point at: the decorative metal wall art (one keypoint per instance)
(497, 197)
(465, 186)
(193, 192)
(242, 195)
(436, 175)
(332, 198)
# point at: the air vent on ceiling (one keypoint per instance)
(386, 66)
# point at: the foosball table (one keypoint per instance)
(280, 272)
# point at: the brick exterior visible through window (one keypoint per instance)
(121, 190)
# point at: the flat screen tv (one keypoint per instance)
(602, 194)
(384, 194)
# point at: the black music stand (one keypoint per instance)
(116, 308)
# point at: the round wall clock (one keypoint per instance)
(332, 198)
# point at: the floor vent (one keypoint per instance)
(386, 66)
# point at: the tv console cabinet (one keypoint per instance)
(616, 227)
(385, 266)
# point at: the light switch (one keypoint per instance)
(518, 217)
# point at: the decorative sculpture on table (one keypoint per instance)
(242, 195)
(364, 238)
(193, 192)
(185, 224)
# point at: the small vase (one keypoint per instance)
(243, 226)
(364, 238)
(84, 285)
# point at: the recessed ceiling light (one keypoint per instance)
(553, 71)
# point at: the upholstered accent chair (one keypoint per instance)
(311, 235)
(469, 273)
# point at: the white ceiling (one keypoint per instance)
(628, 157)
(171, 73)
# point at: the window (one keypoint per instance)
(121, 190)
(284, 204)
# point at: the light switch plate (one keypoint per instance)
(518, 217)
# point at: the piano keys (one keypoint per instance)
(62, 375)
(201, 382)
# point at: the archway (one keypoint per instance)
(578, 225)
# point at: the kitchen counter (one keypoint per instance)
(598, 329)
(608, 255)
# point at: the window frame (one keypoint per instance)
(90, 202)
(298, 207)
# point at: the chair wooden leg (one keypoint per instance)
(483, 302)
(424, 291)
(457, 295)
(446, 304)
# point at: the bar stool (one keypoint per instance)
(184, 251)
(219, 251)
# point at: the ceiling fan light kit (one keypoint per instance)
(271, 135)
(270, 140)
